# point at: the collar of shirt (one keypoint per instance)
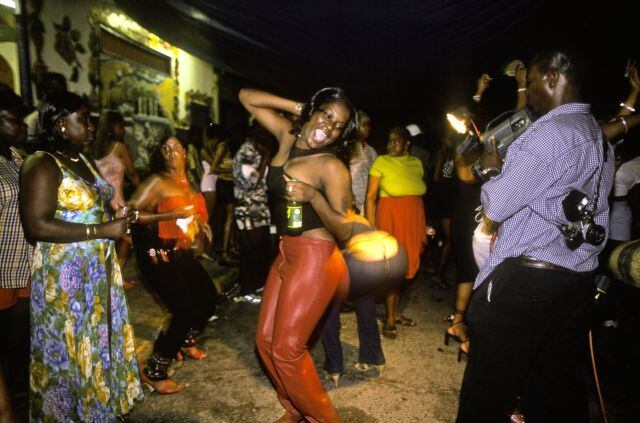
(565, 109)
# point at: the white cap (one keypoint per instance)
(414, 129)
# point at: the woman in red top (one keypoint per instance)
(166, 255)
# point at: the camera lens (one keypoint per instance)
(572, 237)
(594, 234)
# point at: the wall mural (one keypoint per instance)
(143, 96)
(68, 46)
(36, 34)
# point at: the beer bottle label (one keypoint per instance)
(294, 217)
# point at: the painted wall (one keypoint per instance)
(9, 51)
(193, 73)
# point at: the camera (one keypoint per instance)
(582, 227)
(505, 129)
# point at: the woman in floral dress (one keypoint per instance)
(83, 364)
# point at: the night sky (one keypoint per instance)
(400, 60)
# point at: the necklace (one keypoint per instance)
(73, 159)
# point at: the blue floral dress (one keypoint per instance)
(83, 364)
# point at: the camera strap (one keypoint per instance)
(605, 157)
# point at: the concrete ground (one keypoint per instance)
(419, 384)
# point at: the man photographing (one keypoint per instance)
(529, 315)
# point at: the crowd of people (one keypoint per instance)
(72, 206)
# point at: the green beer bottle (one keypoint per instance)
(294, 217)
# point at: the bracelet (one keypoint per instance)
(522, 90)
(86, 227)
(624, 123)
(476, 98)
(626, 106)
(95, 231)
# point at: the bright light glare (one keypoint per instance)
(459, 125)
(372, 246)
(8, 3)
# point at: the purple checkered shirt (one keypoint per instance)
(559, 152)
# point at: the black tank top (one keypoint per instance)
(276, 186)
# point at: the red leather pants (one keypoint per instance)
(302, 282)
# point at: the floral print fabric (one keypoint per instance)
(83, 365)
(250, 191)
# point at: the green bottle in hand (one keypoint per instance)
(294, 216)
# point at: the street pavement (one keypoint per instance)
(419, 384)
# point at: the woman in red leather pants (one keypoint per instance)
(309, 271)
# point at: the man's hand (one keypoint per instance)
(521, 76)
(491, 160)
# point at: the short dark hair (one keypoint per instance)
(11, 102)
(325, 96)
(567, 62)
(46, 83)
(402, 131)
(55, 106)
(157, 164)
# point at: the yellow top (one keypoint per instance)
(399, 176)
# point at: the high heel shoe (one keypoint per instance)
(154, 375)
(189, 349)
(463, 340)
(365, 367)
(192, 353)
(463, 350)
(448, 335)
(335, 377)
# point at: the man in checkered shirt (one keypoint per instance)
(529, 315)
(15, 252)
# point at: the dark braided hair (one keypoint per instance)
(55, 106)
(349, 133)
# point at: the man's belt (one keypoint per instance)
(538, 264)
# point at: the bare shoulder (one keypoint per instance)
(39, 162)
(332, 164)
(154, 180)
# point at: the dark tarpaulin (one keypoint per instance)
(394, 56)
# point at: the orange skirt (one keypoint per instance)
(404, 218)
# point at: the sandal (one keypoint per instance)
(155, 376)
(450, 333)
(189, 349)
(390, 331)
(405, 321)
(192, 353)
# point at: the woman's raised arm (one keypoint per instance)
(265, 106)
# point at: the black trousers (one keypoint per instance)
(14, 345)
(256, 256)
(182, 284)
(528, 331)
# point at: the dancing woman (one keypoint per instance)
(309, 269)
(83, 364)
(166, 256)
